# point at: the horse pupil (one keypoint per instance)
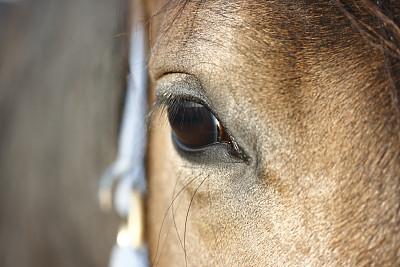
(193, 124)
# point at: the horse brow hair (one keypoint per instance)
(386, 38)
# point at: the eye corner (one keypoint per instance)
(240, 153)
(192, 139)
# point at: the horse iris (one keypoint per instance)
(194, 126)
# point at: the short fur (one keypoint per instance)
(306, 97)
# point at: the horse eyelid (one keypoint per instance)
(172, 87)
(162, 104)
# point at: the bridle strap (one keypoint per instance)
(128, 170)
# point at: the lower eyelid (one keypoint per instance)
(210, 155)
(228, 152)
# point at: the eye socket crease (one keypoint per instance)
(176, 87)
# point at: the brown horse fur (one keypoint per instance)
(307, 98)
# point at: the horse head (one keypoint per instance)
(283, 144)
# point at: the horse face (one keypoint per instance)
(308, 172)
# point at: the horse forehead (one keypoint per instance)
(248, 48)
(210, 34)
(279, 66)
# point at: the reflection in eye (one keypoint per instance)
(194, 125)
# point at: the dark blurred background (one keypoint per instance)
(62, 79)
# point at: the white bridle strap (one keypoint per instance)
(128, 170)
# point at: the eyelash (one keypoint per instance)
(198, 109)
(195, 125)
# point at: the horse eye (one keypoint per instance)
(194, 126)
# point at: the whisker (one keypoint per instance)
(187, 215)
(168, 231)
(173, 218)
(165, 216)
(169, 226)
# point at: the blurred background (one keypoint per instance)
(63, 68)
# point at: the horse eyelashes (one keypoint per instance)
(194, 126)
